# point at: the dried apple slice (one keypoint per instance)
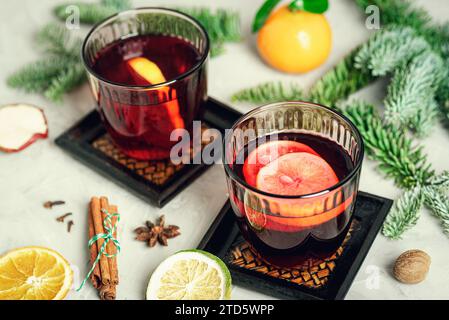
(20, 126)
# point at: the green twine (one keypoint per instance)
(108, 236)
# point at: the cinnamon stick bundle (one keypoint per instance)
(104, 277)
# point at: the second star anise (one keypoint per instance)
(153, 233)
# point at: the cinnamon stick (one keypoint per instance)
(96, 206)
(112, 249)
(108, 292)
(95, 276)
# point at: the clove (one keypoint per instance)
(61, 218)
(50, 204)
(69, 225)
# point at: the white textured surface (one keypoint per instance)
(44, 172)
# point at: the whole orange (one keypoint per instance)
(295, 41)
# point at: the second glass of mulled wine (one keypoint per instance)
(292, 171)
(148, 72)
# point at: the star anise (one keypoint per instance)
(153, 233)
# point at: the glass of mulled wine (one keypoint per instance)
(292, 170)
(148, 73)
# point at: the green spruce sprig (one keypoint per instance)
(340, 82)
(59, 72)
(409, 168)
(222, 25)
(413, 88)
(404, 214)
(336, 85)
(388, 49)
(404, 13)
(92, 13)
(269, 92)
(399, 158)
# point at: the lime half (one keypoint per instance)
(190, 275)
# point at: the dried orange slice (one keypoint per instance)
(34, 273)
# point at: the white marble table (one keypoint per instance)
(44, 171)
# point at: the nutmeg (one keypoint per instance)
(411, 266)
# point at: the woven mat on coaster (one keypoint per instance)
(313, 274)
(156, 171)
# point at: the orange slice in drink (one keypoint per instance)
(145, 69)
(267, 153)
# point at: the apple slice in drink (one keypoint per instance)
(268, 152)
(296, 174)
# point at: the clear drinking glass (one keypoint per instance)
(137, 117)
(288, 230)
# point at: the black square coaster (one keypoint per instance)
(154, 181)
(328, 279)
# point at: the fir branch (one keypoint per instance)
(37, 76)
(221, 25)
(403, 13)
(59, 72)
(269, 92)
(56, 40)
(340, 82)
(440, 181)
(388, 49)
(398, 158)
(89, 13)
(438, 203)
(424, 120)
(404, 214)
(67, 79)
(412, 87)
(119, 5)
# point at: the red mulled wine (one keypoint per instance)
(284, 226)
(154, 84)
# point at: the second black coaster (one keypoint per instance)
(154, 181)
(327, 279)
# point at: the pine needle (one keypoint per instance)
(56, 40)
(425, 119)
(438, 203)
(37, 76)
(398, 157)
(413, 87)
(440, 181)
(403, 13)
(269, 92)
(68, 79)
(388, 49)
(340, 82)
(59, 72)
(222, 25)
(119, 5)
(404, 214)
(89, 13)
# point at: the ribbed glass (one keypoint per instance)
(323, 216)
(126, 107)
